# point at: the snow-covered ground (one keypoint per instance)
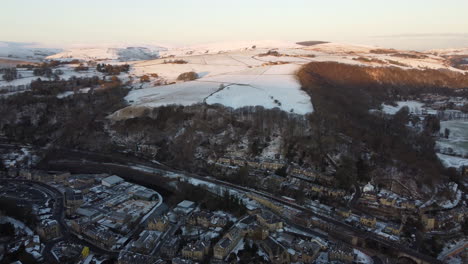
(25, 51)
(19, 226)
(448, 52)
(223, 47)
(414, 107)
(109, 53)
(275, 87)
(451, 246)
(452, 161)
(230, 84)
(457, 195)
(234, 74)
(27, 76)
(457, 142)
(362, 258)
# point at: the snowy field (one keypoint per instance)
(25, 51)
(414, 107)
(458, 138)
(27, 76)
(452, 161)
(118, 53)
(234, 74)
(235, 81)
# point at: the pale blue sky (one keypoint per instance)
(436, 22)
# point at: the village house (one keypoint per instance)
(62, 177)
(316, 222)
(207, 219)
(238, 162)
(317, 188)
(257, 232)
(101, 235)
(27, 174)
(448, 219)
(428, 221)
(41, 177)
(81, 182)
(459, 214)
(333, 192)
(409, 205)
(343, 212)
(128, 257)
(48, 229)
(271, 165)
(341, 253)
(146, 242)
(227, 243)
(253, 229)
(393, 229)
(196, 250)
(266, 202)
(325, 178)
(160, 223)
(254, 164)
(276, 252)
(387, 201)
(170, 247)
(270, 220)
(201, 218)
(306, 252)
(368, 198)
(185, 207)
(225, 161)
(73, 200)
(295, 170)
(310, 174)
(367, 220)
(302, 219)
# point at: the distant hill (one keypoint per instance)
(311, 42)
(109, 53)
(25, 51)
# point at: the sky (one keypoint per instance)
(413, 24)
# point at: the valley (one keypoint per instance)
(358, 152)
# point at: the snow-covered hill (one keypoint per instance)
(25, 51)
(257, 73)
(231, 46)
(449, 52)
(109, 53)
(234, 74)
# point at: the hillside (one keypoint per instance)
(25, 51)
(109, 53)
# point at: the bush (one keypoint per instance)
(270, 53)
(81, 67)
(112, 69)
(43, 71)
(175, 61)
(188, 76)
(145, 78)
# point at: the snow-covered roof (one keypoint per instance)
(114, 179)
(186, 204)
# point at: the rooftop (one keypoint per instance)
(114, 179)
(186, 204)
